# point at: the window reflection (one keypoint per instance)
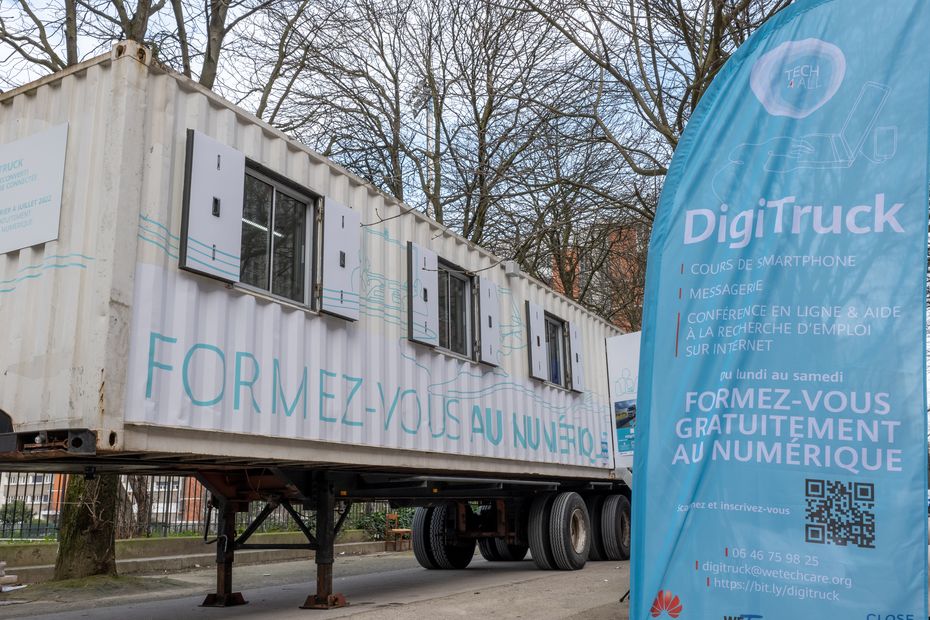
(288, 243)
(458, 328)
(454, 311)
(443, 308)
(256, 237)
(555, 343)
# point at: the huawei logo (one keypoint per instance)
(666, 602)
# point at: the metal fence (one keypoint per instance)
(29, 505)
(149, 506)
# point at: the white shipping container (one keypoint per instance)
(383, 340)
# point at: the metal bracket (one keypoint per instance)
(342, 519)
(233, 599)
(69, 440)
(333, 601)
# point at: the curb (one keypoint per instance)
(178, 563)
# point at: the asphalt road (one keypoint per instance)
(378, 586)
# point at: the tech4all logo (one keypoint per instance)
(665, 603)
(798, 77)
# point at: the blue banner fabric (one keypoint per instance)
(781, 460)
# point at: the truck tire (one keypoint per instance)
(570, 531)
(510, 553)
(615, 527)
(540, 545)
(450, 551)
(595, 503)
(488, 549)
(421, 537)
(487, 546)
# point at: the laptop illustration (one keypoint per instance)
(835, 150)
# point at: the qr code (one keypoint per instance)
(840, 513)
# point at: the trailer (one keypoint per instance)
(186, 289)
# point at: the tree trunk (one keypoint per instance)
(71, 31)
(216, 31)
(125, 517)
(143, 501)
(182, 37)
(87, 529)
(139, 23)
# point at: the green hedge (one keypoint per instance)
(373, 522)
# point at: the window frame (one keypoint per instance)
(454, 271)
(294, 191)
(167, 485)
(564, 351)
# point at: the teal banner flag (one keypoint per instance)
(781, 457)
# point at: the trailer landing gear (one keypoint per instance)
(325, 554)
(232, 493)
(324, 584)
(225, 553)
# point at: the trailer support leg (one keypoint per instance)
(325, 552)
(225, 553)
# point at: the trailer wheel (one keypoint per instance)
(615, 527)
(487, 516)
(421, 537)
(488, 549)
(595, 503)
(510, 553)
(570, 531)
(540, 545)
(450, 551)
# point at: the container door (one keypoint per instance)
(489, 319)
(536, 332)
(211, 228)
(341, 262)
(422, 294)
(577, 354)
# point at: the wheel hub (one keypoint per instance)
(579, 533)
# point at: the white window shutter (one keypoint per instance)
(211, 227)
(341, 262)
(489, 317)
(422, 294)
(577, 356)
(536, 333)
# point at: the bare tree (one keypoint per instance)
(657, 59)
(501, 59)
(430, 48)
(368, 73)
(38, 39)
(541, 129)
(289, 44)
(457, 107)
(46, 37)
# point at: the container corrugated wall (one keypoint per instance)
(57, 299)
(278, 381)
